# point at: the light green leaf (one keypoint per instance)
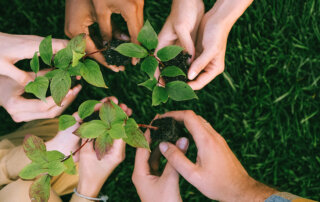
(87, 108)
(38, 87)
(148, 37)
(70, 166)
(55, 168)
(76, 57)
(102, 144)
(180, 91)
(75, 71)
(149, 66)
(66, 121)
(135, 136)
(78, 43)
(169, 52)
(149, 84)
(92, 74)
(63, 58)
(34, 63)
(112, 113)
(31, 171)
(159, 95)
(60, 85)
(45, 50)
(40, 189)
(172, 71)
(92, 129)
(132, 50)
(34, 148)
(54, 155)
(117, 131)
(52, 73)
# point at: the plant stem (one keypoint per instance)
(73, 153)
(148, 126)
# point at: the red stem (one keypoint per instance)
(148, 126)
(73, 153)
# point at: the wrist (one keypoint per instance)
(89, 189)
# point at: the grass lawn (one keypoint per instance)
(266, 104)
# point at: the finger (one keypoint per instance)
(141, 166)
(166, 36)
(33, 105)
(123, 107)
(186, 41)
(114, 99)
(88, 147)
(200, 63)
(58, 44)
(118, 149)
(117, 34)
(104, 20)
(10, 70)
(178, 160)
(129, 112)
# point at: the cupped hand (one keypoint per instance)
(156, 188)
(81, 14)
(217, 173)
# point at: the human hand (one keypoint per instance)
(212, 41)
(22, 109)
(156, 188)
(18, 47)
(80, 14)
(217, 173)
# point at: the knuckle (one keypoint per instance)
(190, 113)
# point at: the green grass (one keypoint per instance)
(266, 104)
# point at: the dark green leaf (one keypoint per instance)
(148, 37)
(169, 52)
(45, 50)
(52, 73)
(92, 74)
(38, 87)
(159, 95)
(63, 58)
(31, 171)
(40, 189)
(87, 108)
(172, 71)
(149, 84)
(179, 91)
(34, 148)
(70, 166)
(55, 168)
(75, 71)
(135, 136)
(78, 43)
(132, 50)
(117, 131)
(60, 85)
(66, 121)
(102, 144)
(149, 66)
(92, 129)
(76, 57)
(34, 63)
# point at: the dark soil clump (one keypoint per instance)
(180, 61)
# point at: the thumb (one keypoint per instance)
(200, 63)
(178, 160)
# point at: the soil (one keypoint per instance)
(181, 61)
(112, 57)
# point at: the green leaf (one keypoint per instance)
(159, 95)
(148, 37)
(78, 43)
(34, 148)
(55, 168)
(117, 131)
(31, 171)
(172, 71)
(54, 155)
(75, 71)
(112, 113)
(76, 57)
(87, 108)
(38, 87)
(40, 189)
(149, 66)
(70, 166)
(92, 129)
(52, 73)
(102, 144)
(120, 114)
(132, 50)
(92, 74)
(180, 91)
(169, 52)
(60, 85)
(34, 63)
(45, 50)
(66, 121)
(135, 136)
(63, 58)
(149, 84)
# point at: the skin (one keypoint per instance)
(80, 14)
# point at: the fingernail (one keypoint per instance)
(163, 146)
(182, 143)
(192, 75)
(124, 37)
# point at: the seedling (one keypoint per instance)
(176, 90)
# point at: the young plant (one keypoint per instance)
(176, 90)
(68, 62)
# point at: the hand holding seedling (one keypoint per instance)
(217, 173)
(156, 188)
(81, 14)
(212, 41)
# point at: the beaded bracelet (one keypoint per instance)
(102, 198)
